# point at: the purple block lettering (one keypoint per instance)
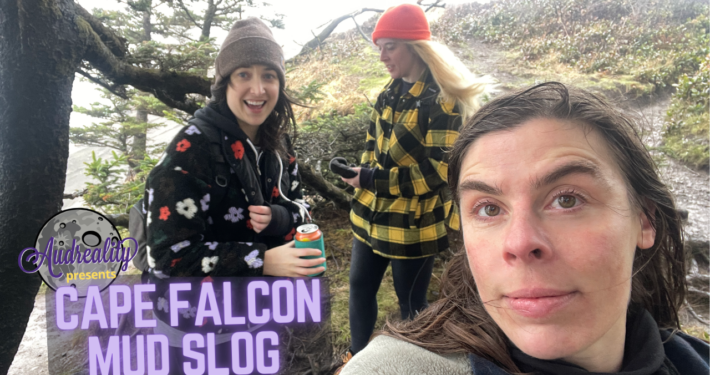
(139, 305)
(93, 299)
(303, 300)
(261, 366)
(212, 368)
(207, 295)
(187, 351)
(248, 367)
(59, 298)
(228, 318)
(140, 355)
(251, 303)
(104, 363)
(116, 309)
(276, 303)
(164, 354)
(175, 303)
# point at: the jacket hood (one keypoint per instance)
(221, 117)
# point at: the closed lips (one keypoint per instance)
(538, 303)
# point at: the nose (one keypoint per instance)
(525, 240)
(257, 87)
(383, 55)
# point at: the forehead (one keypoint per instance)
(382, 41)
(533, 148)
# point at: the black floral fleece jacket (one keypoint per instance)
(189, 234)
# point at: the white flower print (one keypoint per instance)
(192, 130)
(295, 169)
(186, 208)
(294, 185)
(253, 261)
(150, 196)
(245, 195)
(162, 304)
(188, 313)
(149, 218)
(205, 202)
(234, 215)
(151, 261)
(209, 220)
(208, 263)
(212, 245)
(180, 245)
(143, 210)
(178, 169)
(295, 217)
(246, 243)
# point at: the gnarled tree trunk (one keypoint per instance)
(40, 50)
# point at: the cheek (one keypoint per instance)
(603, 255)
(481, 259)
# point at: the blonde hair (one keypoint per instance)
(456, 82)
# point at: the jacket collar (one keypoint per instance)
(422, 87)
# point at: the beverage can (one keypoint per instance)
(310, 236)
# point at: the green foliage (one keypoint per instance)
(687, 128)
(113, 193)
(307, 94)
(652, 41)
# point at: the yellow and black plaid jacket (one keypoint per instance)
(404, 216)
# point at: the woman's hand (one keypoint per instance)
(260, 217)
(285, 261)
(355, 181)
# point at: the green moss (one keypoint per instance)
(685, 133)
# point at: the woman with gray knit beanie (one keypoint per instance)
(226, 197)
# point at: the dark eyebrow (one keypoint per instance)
(479, 186)
(575, 167)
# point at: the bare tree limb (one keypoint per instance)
(434, 5)
(75, 194)
(115, 43)
(112, 88)
(360, 30)
(696, 315)
(323, 187)
(695, 290)
(169, 86)
(119, 220)
(187, 11)
(318, 39)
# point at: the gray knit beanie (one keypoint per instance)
(249, 42)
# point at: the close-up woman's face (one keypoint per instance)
(550, 236)
(252, 94)
(398, 58)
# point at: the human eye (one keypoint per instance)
(269, 76)
(486, 210)
(243, 75)
(567, 200)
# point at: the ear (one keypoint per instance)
(647, 236)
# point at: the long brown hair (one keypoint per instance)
(458, 322)
(281, 121)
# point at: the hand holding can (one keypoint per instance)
(310, 236)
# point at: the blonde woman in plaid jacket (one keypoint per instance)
(402, 202)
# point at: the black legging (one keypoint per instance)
(411, 280)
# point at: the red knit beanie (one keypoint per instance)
(406, 21)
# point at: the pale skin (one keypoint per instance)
(550, 236)
(252, 95)
(401, 62)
